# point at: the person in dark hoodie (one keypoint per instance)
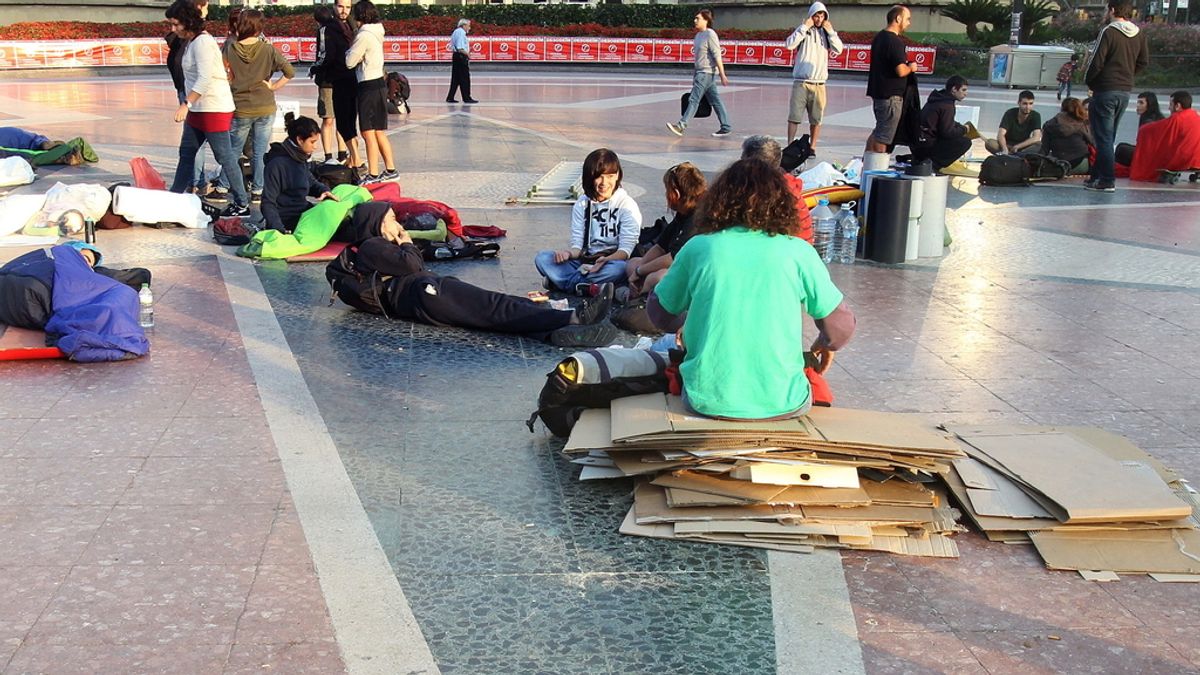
(942, 140)
(1120, 52)
(338, 36)
(252, 61)
(1067, 135)
(288, 182)
(330, 139)
(399, 287)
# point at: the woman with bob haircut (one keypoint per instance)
(740, 288)
(605, 224)
(207, 109)
(685, 186)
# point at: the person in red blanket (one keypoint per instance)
(1172, 144)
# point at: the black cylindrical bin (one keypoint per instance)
(887, 220)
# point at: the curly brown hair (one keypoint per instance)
(686, 179)
(750, 193)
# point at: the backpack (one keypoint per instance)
(398, 92)
(593, 379)
(456, 248)
(333, 175)
(1046, 167)
(796, 154)
(354, 286)
(1004, 170)
(230, 232)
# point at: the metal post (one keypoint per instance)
(1014, 31)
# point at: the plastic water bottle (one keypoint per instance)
(146, 307)
(824, 230)
(847, 234)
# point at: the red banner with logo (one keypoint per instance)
(858, 58)
(778, 55)
(308, 50)
(669, 51)
(922, 58)
(505, 49)
(612, 50)
(558, 50)
(481, 50)
(585, 50)
(532, 49)
(425, 48)
(748, 53)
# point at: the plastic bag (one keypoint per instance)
(822, 175)
(15, 171)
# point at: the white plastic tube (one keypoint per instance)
(933, 216)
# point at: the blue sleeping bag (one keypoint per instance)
(94, 317)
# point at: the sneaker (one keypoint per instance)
(218, 193)
(389, 174)
(451, 100)
(256, 195)
(596, 309)
(370, 180)
(675, 128)
(1099, 186)
(234, 210)
(587, 289)
(722, 132)
(599, 334)
(332, 161)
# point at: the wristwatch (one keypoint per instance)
(188, 104)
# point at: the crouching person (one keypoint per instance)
(943, 141)
(740, 288)
(384, 273)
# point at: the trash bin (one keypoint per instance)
(887, 219)
(1034, 66)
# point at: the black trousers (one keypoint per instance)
(943, 152)
(460, 75)
(345, 108)
(454, 302)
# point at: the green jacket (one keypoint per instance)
(251, 66)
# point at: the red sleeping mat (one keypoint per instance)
(329, 252)
(19, 344)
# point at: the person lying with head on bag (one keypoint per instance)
(383, 272)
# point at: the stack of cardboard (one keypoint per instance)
(835, 478)
(1089, 500)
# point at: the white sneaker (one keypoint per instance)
(674, 128)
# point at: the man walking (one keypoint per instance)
(888, 78)
(460, 64)
(1020, 129)
(1120, 52)
(815, 42)
(708, 63)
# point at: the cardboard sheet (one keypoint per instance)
(1161, 551)
(813, 475)
(650, 506)
(866, 428)
(630, 526)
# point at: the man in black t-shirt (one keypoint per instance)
(888, 77)
(1020, 129)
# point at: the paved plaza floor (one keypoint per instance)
(287, 486)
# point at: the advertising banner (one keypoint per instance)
(481, 50)
(858, 58)
(778, 55)
(308, 50)
(290, 48)
(425, 48)
(922, 58)
(612, 50)
(558, 50)
(532, 49)
(585, 50)
(669, 51)
(747, 53)
(505, 49)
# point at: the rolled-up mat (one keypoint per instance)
(933, 216)
(915, 211)
(158, 206)
(19, 344)
(887, 219)
(867, 177)
(876, 161)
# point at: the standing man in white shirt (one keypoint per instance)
(815, 42)
(460, 65)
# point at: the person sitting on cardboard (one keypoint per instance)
(1172, 144)
(383, 272)
(943, 141)
(739, 289)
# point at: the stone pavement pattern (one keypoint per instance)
(1055, 306)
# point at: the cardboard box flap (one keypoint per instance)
(650, 506)
(756, 527)
(592, 431)
(847, 426)
(896, 492)
(1164, 551)
(719, 485)
(635, 416)
(680, 498)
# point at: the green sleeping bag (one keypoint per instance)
(315, 229)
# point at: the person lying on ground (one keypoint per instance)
(739, 289)
(287, 180)
(395, 283)
(943, 141)
(605, 224)
(40, 150)
(767, 149)
(685, 185)
(1068, 136)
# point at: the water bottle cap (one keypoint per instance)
(823, 202)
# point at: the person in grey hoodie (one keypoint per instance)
(815, 42)
(709, 65)
(366, 54)
(1119, 53)
(289, 180)
(252, 61)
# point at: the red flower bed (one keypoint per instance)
(304, 26)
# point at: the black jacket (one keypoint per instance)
(405, 273)
(332, 68)
(1120, 52)
(937, 118)
(175, 48)
(287, 182)
(1066, 138)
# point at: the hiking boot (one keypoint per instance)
(722, 132)
(596, 309)
(591, 335)
(675, 128)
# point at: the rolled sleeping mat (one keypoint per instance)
(887, 219)
(915, 210)
(876, 161)
(867, 177)
(158, 206)
(836, 194)
(933, 216)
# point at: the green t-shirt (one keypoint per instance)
(745, 294)
(1014, 131)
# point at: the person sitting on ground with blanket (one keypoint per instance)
(605, 224)
(1068, 136)
(685, 186)
(740, 288)
(391, 279)
(288, 181)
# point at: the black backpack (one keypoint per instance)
(1045, 167)
(333, 175)
(593, 379)
(1004, 170)
(355, 286)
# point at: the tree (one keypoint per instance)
(971, 13)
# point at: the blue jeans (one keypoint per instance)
(190, 143)
(1064, 86)
(198, 181)
(704, 84)
(565, 275)
(261, 127)
(1104, 113)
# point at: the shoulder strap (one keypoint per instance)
(587, 227)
